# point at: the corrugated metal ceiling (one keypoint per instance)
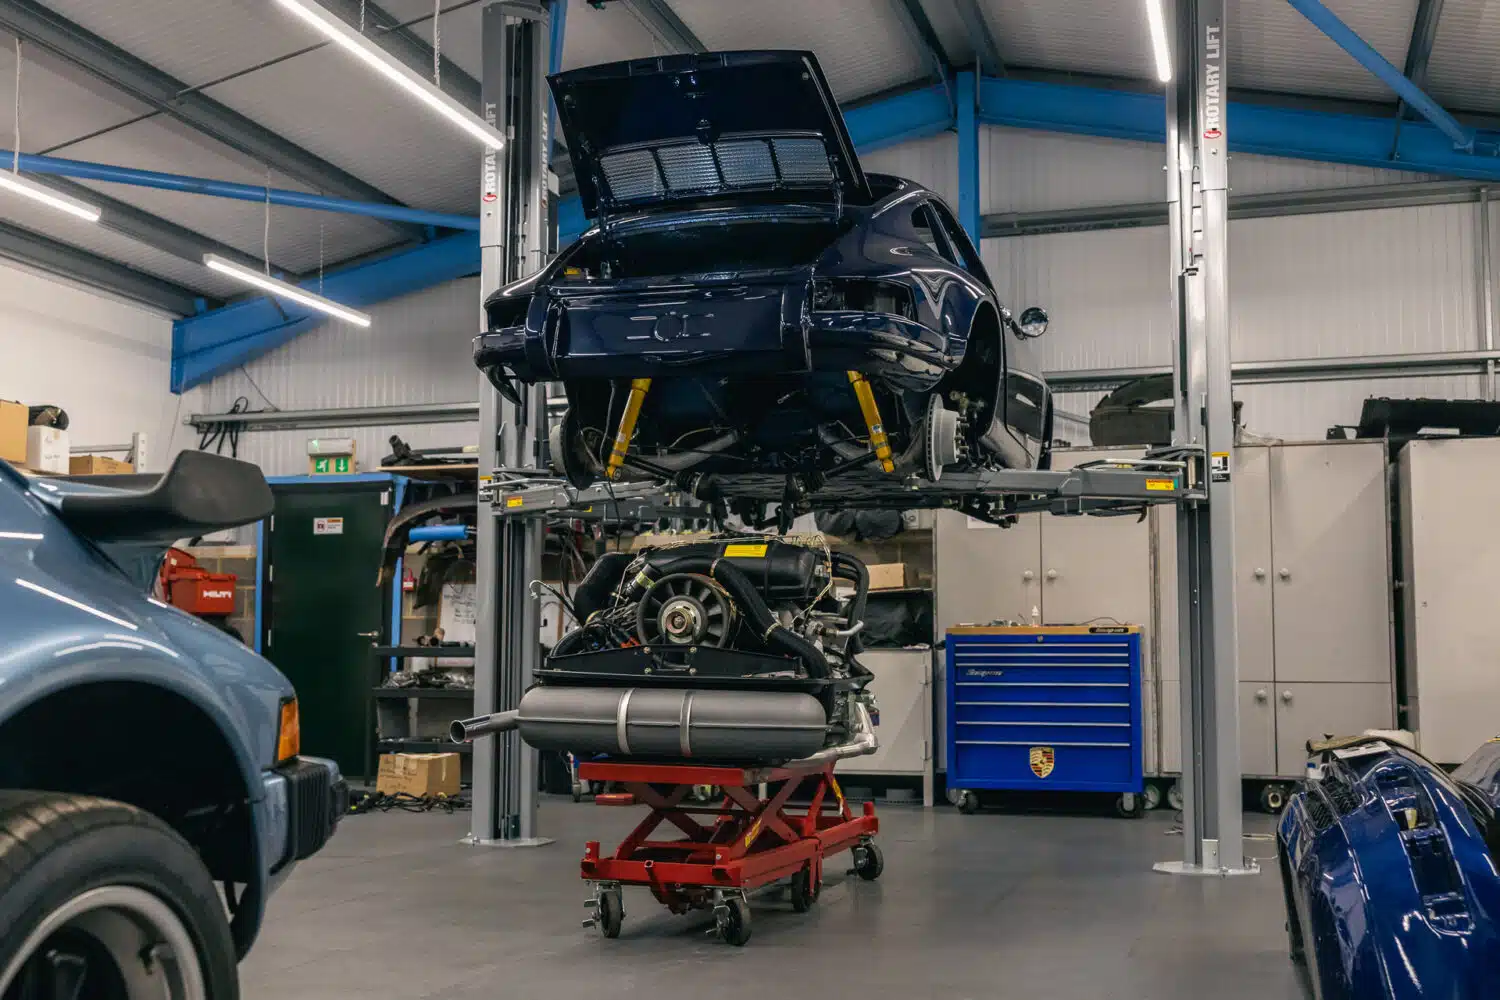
(1465, 71)
(862, 46)
(1275, 48)
(323, 101)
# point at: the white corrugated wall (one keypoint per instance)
(105, 361)
(1382, 281)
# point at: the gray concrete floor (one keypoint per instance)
(993, 905)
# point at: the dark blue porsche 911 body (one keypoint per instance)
(1390, 872)
(791, 313)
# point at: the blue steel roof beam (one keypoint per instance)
(67, 261)
(1366, 55)
(1418, 52)
(123, 71)
(1252, 128)
(986, 51)
(662, 21)
(919, 28)
(85, 170)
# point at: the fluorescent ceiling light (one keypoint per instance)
(1159, 40)
(382, 62)
(16, 184)
(284, 290)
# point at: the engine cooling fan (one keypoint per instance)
(684, 609)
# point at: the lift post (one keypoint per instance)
(1198, 187)
(514, 242)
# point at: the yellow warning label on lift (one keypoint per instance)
(515, 501)
(754, 832)
(744, 550)
(1161, 485)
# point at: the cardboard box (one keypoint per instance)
(47, 449)
(892, 576)
(14, 418)
(98, 465)
(418, 774)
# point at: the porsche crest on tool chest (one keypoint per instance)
(1042, 760)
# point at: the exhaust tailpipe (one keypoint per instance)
(468, 730)
(864, 741)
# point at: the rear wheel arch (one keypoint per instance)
(982, 370)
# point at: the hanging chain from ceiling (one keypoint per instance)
(265, 240)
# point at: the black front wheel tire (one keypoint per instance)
(92, 889)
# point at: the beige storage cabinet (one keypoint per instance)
(1450, 491)
(903, 692)
(1313, 597)
(1312, 565)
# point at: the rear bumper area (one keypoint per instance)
(758, 326)
(657, 340)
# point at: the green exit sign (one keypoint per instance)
(332, 465)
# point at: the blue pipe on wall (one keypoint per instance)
(438, 533)
(1364, 53)
(83, 170)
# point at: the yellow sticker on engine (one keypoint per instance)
(743, 550)
(1161, 485)
(515, 501)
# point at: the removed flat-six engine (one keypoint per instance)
(734, 650)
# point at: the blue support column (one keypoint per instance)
(967, 102)
(557, 26)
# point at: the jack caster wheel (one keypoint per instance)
(1130, 805)
(968, 803)
(803, 892)
(1174, 795)
(733, 921)
(1272, 799)
(1152, 795)
(869, 862)
(611, 912)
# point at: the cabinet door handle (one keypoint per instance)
(1260, 573)
(1284, 573)
(1286, 696)
(1028, 576)
(369, 635)
(1052, 574)
(1261, 695)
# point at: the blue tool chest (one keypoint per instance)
(1045, 707)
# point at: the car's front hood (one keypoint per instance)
(682, 128)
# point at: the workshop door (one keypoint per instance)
(325, 612)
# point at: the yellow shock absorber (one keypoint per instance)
(871, 411)
(638, 389)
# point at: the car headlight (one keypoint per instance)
(289, 732)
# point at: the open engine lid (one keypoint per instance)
(681, 128)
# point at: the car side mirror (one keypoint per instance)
(1033, 322)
